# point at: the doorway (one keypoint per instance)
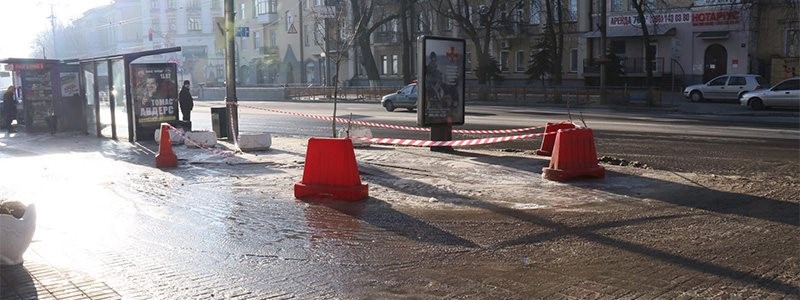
(715, 62)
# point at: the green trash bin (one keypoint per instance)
(220, 122)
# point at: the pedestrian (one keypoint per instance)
(185, 101)
(9, 108)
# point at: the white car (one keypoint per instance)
(786, 94)
(725, 87)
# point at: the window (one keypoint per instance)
(518, 15)
(394, 64)
(305, 35)
(793, 43)
(572, 13)
(289, 19)
(273, 38)
(257, 40)
(384, 64)
(193, 24)
(261, 7)
(789, 85)
(272, 6)
(521, 63)
(154, 4)
(718, 81)
(536, 12)
(504, 61)
(467, 58)
(618, 48)
(573, 60)
(241, 11)
(737, 80)
(172, 4)
(617, 5)
(192, 4)
(155, 25)
(172, 24)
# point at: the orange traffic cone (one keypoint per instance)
(165, 157)
(549, 140)
(330, 172)
(574, 155)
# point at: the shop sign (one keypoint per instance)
(715, 2)
(715, 18)
(21, 67)
(665, 18)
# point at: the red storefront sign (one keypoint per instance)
(715, 18)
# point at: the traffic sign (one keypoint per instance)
(242, 31)
(292, 29)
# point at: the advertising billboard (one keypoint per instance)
(155, 93)
(441, 63)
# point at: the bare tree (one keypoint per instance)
(335, 33)
(479, 23)
(364, 12)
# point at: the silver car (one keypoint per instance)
(786, 93)
(725, 87)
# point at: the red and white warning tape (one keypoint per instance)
(411, 128)
(456, 143)
(201, 146)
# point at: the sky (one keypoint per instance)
(23, 20)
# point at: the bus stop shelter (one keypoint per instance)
(106, 95)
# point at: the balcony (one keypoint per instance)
(267, 18)
(386, 37)
(631, 66)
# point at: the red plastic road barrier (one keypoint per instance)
(165, 157)
(548, 141)
(330, 172)
(574, 155)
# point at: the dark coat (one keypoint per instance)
(9, 106)
(185, 99)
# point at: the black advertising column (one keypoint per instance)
(441, 63)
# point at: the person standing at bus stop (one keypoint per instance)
(185, 101)
(9, 108)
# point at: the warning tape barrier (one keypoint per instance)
(456, 143)
(199, 145)
(410, 128)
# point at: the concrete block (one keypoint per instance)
(356, 132)
(176, 138)
(254, 141)
(201, 139)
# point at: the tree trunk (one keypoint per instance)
(648, 56)
(335, 92)
(560, 44)
(367, 59)
(406, 40)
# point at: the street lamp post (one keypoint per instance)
(230, 75)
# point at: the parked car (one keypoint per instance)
(725, 87)
(404, 98)
(786, 93)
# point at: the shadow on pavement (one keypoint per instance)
(16, 283)
(379, 214)
(690, 263)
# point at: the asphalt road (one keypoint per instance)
(719, 144)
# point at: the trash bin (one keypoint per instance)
(219, 121)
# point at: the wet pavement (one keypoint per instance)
(471, 224)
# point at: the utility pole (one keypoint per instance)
(604, 57)
(230, 75)
(52, 18)
(300, 36)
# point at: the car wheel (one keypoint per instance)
(389, 106)
(756, 104)
(696, 96)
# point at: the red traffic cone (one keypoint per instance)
(549, 140)
(165, 157)
(330, 172)
(574, 155)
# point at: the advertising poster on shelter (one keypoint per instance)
(441, 81)
(155, 93)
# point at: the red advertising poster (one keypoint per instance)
(155, 93)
